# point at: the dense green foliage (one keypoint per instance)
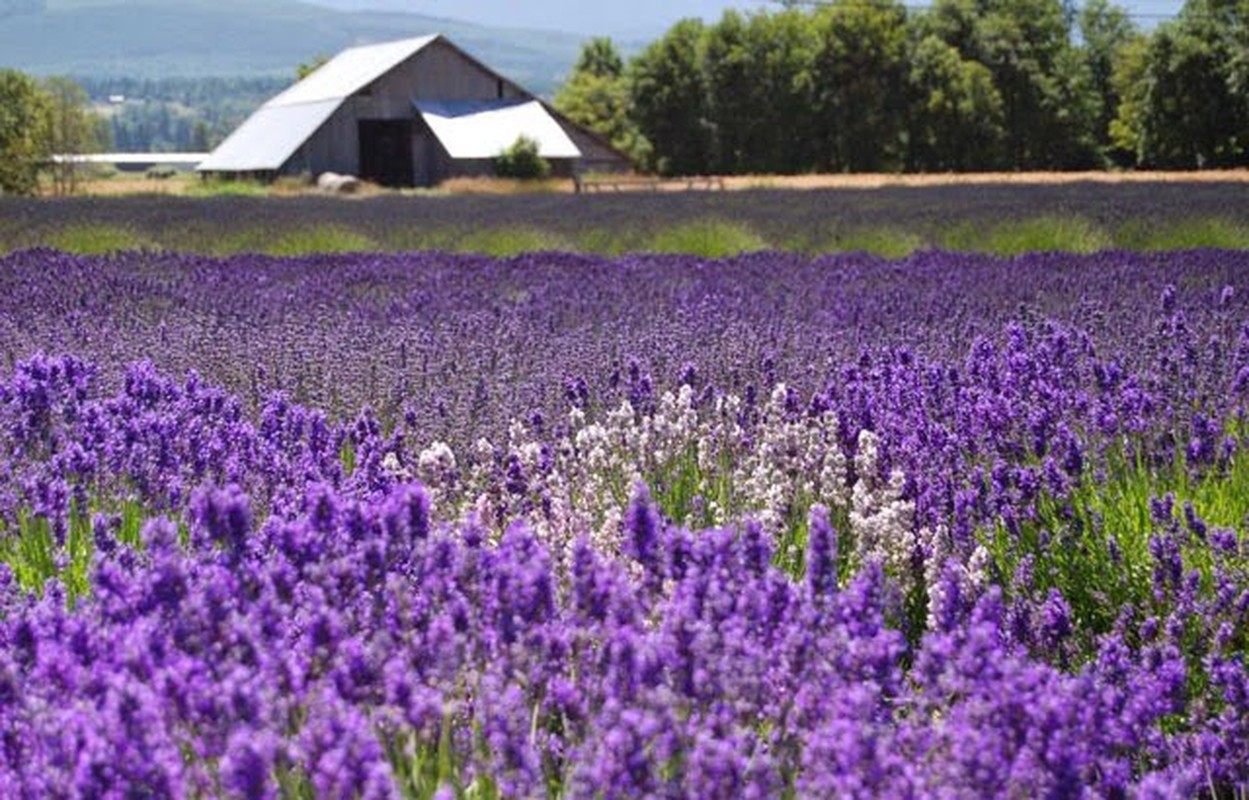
(24, 114)
(963, 85)
(38, 120)
(522, 160)
(597, 97)
(72, 128)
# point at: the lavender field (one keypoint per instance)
(895, 221)
(436, 525)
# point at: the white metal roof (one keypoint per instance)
(269, 137)
(485, 128)
(130, 159)
(350, 71)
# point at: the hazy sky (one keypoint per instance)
(620, 18)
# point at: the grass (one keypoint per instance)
(94, 240)
(1071, 234)
(1185, 234)
(319, 239)
(214, 187)
(211, 241)
(510, 241)
(883, 241)
(305, 241)
(1093, 544)
(707, 238)
(492, 185)
(33, 554)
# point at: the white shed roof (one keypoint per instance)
(485, 128)
(269, 137)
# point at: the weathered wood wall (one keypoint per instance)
(438, 72)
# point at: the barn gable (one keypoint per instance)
(410, 112)
(269, 137)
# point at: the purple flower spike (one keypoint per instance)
(642, 529)
(821, 553)
(248, 767)
(224, 515)
(405, 514)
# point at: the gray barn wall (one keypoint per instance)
(595, 156)
(437, 72)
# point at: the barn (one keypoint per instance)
(405, 113)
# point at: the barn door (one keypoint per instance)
(386, 151)
(423, 153)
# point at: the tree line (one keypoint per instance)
(870, 85)
(177, 113)
(40, 118)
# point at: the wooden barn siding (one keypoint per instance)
(437, 72)
(595, 156)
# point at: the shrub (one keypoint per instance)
(522, 161)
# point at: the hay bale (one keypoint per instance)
(334, 183)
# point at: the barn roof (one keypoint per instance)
(269, 137)
(485, 128)
(350, 71)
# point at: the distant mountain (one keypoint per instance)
(194, 38)
(635, 19)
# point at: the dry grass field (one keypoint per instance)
(885, 180)
(191, 185)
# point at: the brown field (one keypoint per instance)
(879, 181)
(124, 184)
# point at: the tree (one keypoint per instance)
(304, 70)
(668, 100)
(956, 120)
(858, 76)
(1105, 30)
(600, 57)
(1045, 87)
(596, 96)
(1127, 81)
(1187, 108)
(729, 73)
(783, 47)
(200, 137)
(72, 130)
(24, 124)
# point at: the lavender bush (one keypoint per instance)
(561, 526)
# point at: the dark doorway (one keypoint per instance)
(386, 151)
